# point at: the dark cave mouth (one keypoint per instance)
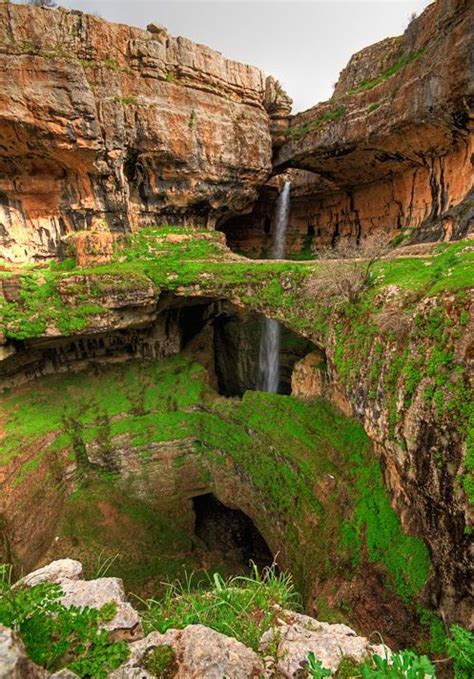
(230, 534)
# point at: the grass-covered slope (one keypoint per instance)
(401, 342)
(304, 469)
(399, 352)
(69, 298)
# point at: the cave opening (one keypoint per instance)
(230, 534)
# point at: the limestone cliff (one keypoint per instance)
(105, 130)
(390, 152)
(102, 123)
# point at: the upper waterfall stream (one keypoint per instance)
(269, 353)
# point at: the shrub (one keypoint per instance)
(56, 636)
(461, 650)
(43, 3)
(347, 277)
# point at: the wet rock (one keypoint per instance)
(201, 653)
(54, 572)
(297, 635)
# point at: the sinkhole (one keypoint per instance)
(230, 533)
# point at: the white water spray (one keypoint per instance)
(269, 353)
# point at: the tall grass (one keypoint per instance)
(241, 607)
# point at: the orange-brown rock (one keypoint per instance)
(102, 121)
(390, 152)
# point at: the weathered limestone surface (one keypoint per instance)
(14, 663)
(297, 635)
(200, 653)
(54, 572)
(105, 123)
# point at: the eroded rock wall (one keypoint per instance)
(391, 152)
(103, 123)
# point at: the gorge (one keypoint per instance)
(159, 206)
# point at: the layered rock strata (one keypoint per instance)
(391, 151)
(104, 124)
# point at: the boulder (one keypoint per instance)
(125, 624)
(54, 572)
(297, 635)
(201, 653)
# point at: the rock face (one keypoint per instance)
(297, 635)
(391, 151)
(14, 663)
(200, 653)
(105, 124)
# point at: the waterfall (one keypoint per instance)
(269, 352)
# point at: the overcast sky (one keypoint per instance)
(302, 43)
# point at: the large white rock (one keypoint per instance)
(54, 572)
(126, 623)
(201, 653)
(297, 635)
(14, 663)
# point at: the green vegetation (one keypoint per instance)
(149, 257)
(56, 636)
(315, 668)
(403, 665)
(240, 607)
(298, 131)
(161, 662)
(461, 649)
(388, 73)
(169, 400)
(127, 101)
(374, 106)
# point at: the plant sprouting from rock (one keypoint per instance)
(56, 636)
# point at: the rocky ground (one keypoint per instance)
(197, 652)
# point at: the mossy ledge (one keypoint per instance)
(409, 391)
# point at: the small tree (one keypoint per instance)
(43, 3)
(346, 270)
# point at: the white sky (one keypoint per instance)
(302, 43)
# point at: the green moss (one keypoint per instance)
(298, 131)
(127, 101)
(280, 445)
(161, 662)
(388, 73)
